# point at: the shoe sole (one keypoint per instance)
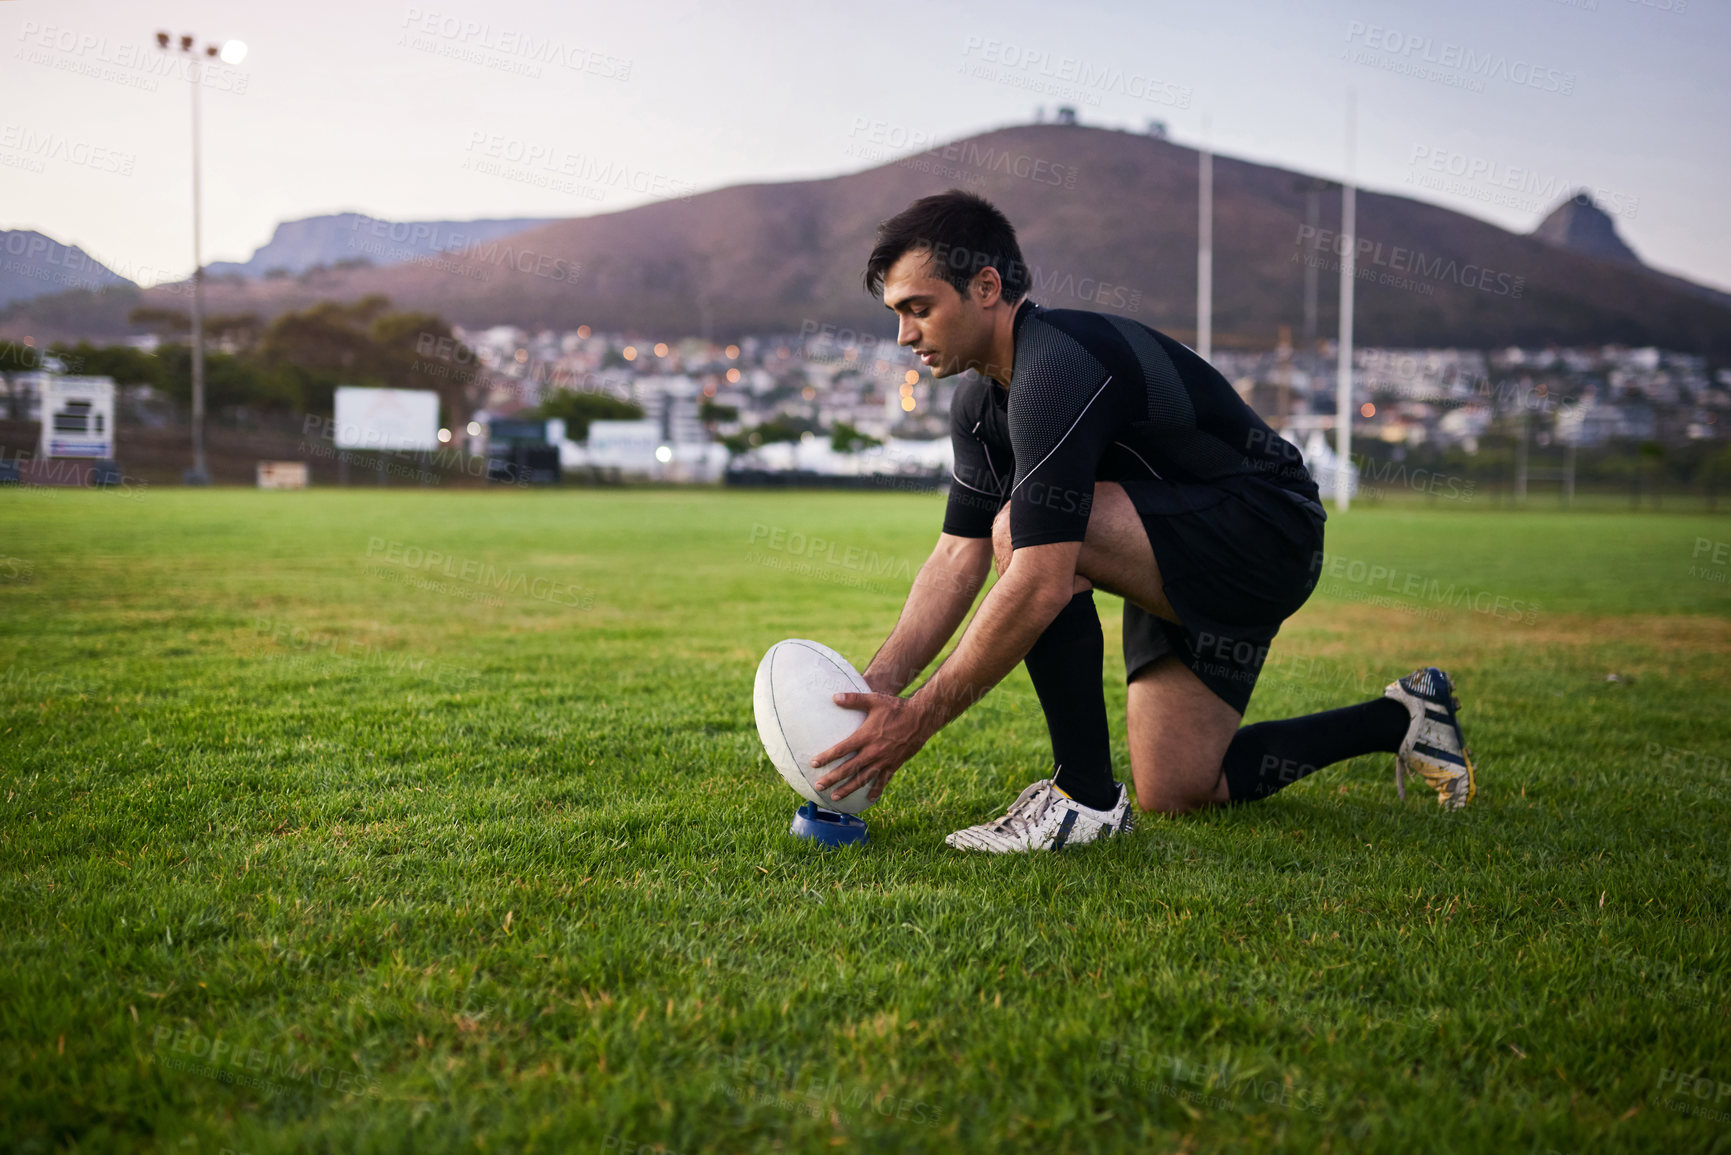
(1466, 752)
(1444, 794)
(1472, 778)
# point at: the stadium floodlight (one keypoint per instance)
(232, 52)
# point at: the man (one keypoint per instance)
(1092, 451)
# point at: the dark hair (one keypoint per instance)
(963, 233)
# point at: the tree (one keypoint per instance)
(578, 409)
(844, 438)
(295, 362)
(781, 427)
(238, 330)
(17, 359)
(305, 355)
(128, 366)
(229, 380)
(712, 414)
(419, 351)
(163, 322)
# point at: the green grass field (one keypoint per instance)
(312, 843)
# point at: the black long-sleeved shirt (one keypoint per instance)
(1094, 397)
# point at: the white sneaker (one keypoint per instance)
(1434, 748)
(1045, 818)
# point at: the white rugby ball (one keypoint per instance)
(797, 720)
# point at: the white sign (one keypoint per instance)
(386, 418)
(77, 416)
(282, 475)
(626, 444)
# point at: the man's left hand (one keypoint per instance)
(894, 730)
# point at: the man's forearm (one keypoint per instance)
(1010, 621)
(941, 596)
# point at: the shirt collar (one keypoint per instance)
(1025, 308)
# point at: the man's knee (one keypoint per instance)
(1170, 790)
(1171, 802)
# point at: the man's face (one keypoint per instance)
(950, 331)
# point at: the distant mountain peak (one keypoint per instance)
(36, 265)
(1581, 226)
(299, 245)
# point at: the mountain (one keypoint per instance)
(34, 265)
(1581, 226)
(1107, 220)
(297, 246)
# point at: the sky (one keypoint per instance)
(459, 109)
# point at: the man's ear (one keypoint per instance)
(988, 287)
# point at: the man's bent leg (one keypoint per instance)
(1116, 555)
(1189, 686)
(1271, 755)
(1066, 666)
(1179, 729)
(1179, 732)
(1187, 750)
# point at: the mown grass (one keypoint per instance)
(300, 855)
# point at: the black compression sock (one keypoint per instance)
(1066, 668)
(1270, 755)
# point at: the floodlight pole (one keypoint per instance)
(199, 474)
(1205, 249)
(1343, 368)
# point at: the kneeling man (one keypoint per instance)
(1093, 451)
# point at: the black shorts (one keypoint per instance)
(1236, 562)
